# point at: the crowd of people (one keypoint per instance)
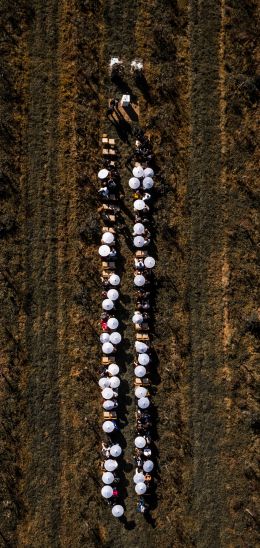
(142, 184)
(110, 338)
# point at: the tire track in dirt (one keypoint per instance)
(42, 469)
(205, 294)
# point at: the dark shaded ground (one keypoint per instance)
(199, 102)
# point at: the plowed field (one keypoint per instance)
(199, 103)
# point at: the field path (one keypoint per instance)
(42, 468)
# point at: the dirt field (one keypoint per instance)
(199, 103)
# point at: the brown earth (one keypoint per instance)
(199, 102)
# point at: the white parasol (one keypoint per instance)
(143, 359)
(104, 382)
(138, 241)
(139, 205)
(115, 450)
(104, 337)
(107, 348)
(113, 294)
(140, 442)
(141, 347)
(102, 174)
(110, 465)
(149, 262)
(108, 478)
(107, 304)
(140, 488)
(107, 393)
(147, 183)
(140, 371)
(114, 382)
(140, 392)
(112, 323)
(139, 477)
(143, 403)
(114, 279)
(107, 491)
(139, 280)
(134, 183)
(104, 250)
(137, 318)
(108, 405)
(148, 465)
(113, 369)
(108, 238)
(115, 337)
(148, 172)
(108, 427)
(138, 228)
(117, 510)
(138, 171)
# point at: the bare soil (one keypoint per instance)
(199, 102)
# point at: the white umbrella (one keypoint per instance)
(104, 250)
(138, 241)
(148, 172)
(112, 323)
(140, 371)
(138, 228)
(110, 465)
(138, 171)
(107, 491)
(134, 183)
(117, 510)
(139, 477)
(140, 442)
(108, 405)
(107, 304)
(149, 262)
(104, 337)
(102, 174)
(113, 294)
(107, 348)
(107, 393)
(114, 382)
(114, 279)
(139, 205)
(148, 465)
(143, 403)
(147, 183)
(113, 369)
(139, 280)
(141, 347)
(137, 318)
(104, 382)
(143, 359)
(115, 337)
(108, 427)
(108, 238)
(140, 392)
(115, 450)
(140, 488)
(108, 477)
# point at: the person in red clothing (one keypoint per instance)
(115, 492)
(104, 325)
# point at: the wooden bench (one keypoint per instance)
(108, 141)
(107, 207)
(142, 382)
(142, 327)
(106, 360)
(141, 253)
(110, 415)
(108, 152)
(108, 229)
(142, 337)
(111, 265)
